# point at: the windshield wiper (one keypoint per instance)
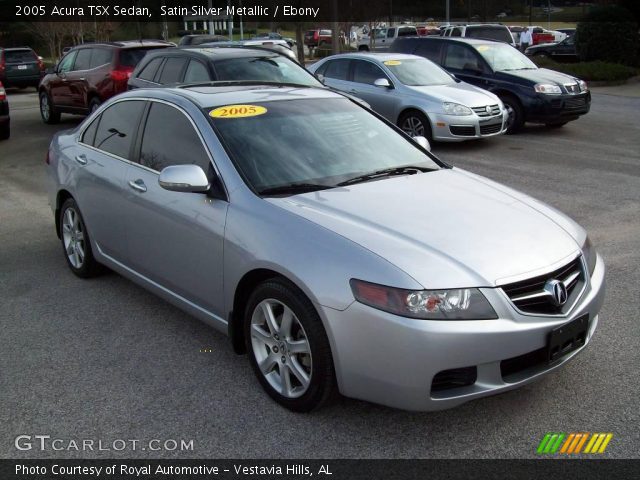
(293, 188)
(387, 172)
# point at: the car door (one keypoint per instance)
(59, 85)
(175, 238)
(104, 150)
(382, 100)
(77, 79)
(467, 64)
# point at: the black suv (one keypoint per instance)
(530, 94)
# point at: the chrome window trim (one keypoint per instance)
(130, 162)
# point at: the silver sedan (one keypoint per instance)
(416, 94)
(339, 253)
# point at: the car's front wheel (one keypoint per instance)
(415, 124)
(288, 346)
(48, 111)
(75, 241)
(515, 114)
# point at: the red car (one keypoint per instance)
(89, 74)
(317, 38)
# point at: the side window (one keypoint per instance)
(170, 139)
(391, 33)
(456, 32)
(338, 69)
(367, 72)
(101, 56)
(118, 124)
(172, 70)
(430, 50)
(149, 72)
(459, 57)
(83, 60)
(66, 63)
(196, 72)
(89, 134)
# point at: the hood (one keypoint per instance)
(538, 75)
(462, 93)
(447, 229)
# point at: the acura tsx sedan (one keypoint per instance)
(333, 248)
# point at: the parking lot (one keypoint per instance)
(104, 359)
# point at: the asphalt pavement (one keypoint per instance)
(104, 359)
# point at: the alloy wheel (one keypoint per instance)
(281, 348)
(413, 127)
(511, 115)
(44, 106)
(73, 237)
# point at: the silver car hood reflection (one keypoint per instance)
(461, 93)
(447, 229)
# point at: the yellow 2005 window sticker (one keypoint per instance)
(483, 48)
(393, 63)
(238, 111)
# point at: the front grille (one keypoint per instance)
(482, 111)
(529, 296)
(572, 88)
(575, 103)
(489, 129)
(463, 131)
(454, 378)
(514, 365)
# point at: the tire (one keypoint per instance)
(363, 48)
(301, 380)
(515, 121)
(94, 104)
(556, 124)
(5, 132)
(48, 111)
(76, 244)
(415, 123)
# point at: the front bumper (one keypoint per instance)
(392, 360)
(558, 108)
(457, 128)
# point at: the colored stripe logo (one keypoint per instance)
(574, 443)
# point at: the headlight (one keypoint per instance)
(455, 304)
(547, 89)
(583, 86)
(590, 255)
(455, 109)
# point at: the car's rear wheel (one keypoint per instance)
(75, 241)
(415, 124)
(363, 48)
(48, 111)
(515, 118)
(288, 346)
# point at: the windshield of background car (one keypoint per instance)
(503, 57)
(321, 141)
(418, 72)
(492, 33)
(274, 68)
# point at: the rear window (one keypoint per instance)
(15, 56)
(268, 69)
(172, 70)
(132, 56)
(101, 56)
(407, 32)
(501, 34)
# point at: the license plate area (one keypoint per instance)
(22, 67)
(567, 338)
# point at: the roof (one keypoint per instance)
(216, 53)
(382, 57)
(128, 44)
(470, 41)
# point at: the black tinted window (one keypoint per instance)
(117, 127)
(170, 139)
(367, 72)
(338, 69)
(83, 60)
(100, 56)
(461, 58)
(456, 32)
(391, 32)
(406, 32)
(196, 72)
(172, 70)
(430, 50)
(90, 133)
(132, 56)
(149, 71)
(17, 56)
(500, 33)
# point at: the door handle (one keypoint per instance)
(138, 185)
(81, 159)
(82, 79)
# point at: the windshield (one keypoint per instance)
(274, 68)
(504, 57)
(321, 141)
(493, 33)
(418, 72)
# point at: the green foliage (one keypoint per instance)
(609, 34)
(597, 71)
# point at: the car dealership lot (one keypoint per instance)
(104, 359)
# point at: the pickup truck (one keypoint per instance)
(384, 37)
(317, 38)
(542, 35)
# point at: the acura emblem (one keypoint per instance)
(488, 108)
(557, 290)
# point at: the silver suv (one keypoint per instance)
(486, 31)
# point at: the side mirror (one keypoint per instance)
(382, 83)
(423, 142)
(184, 178)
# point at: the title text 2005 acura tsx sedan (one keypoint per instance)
(331, 246)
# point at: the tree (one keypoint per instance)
(609, 34)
